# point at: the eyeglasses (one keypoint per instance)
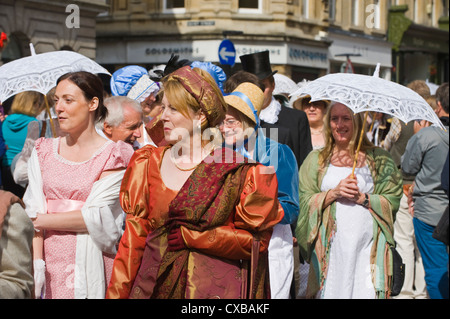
(229, 123)
(315, 104)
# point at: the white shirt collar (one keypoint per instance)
(270, 113)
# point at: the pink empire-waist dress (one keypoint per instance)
(67, 180)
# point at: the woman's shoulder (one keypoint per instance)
(146, 154)
(118, 153)
(122, 149)
(148, 151)
(313, 155)
(43, 143)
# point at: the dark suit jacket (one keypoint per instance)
(277, 133)
(297, 123)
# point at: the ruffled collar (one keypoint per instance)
(270, 113)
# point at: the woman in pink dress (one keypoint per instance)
(73, 194)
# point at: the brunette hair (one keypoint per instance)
(240, 77)
(91, 86)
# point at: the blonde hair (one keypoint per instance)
(420, 87)
(182, 100)
(358, 123)
(432, 101)
(30, 103)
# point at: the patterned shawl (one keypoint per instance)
(316, 226)
(205, 201)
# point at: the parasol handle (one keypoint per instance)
(359, 146)
(373, 122)
(52, 125)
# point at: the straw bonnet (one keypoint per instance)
(248, 99)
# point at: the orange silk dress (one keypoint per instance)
(145, 199)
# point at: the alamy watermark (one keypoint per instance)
(189, 146)
(73, 19)
(373, 11)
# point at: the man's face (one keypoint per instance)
(130, 128)
(268, 90)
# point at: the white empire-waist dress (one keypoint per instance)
(349, 273)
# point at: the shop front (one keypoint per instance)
(298, 61)
(419, 52)
(363, 51)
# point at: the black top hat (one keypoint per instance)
(258, 64)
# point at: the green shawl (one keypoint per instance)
(316, 226)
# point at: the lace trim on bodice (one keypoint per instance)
(56, 143)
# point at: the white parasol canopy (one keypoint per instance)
(39, 72)
(370, 93)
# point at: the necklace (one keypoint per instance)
(185, 169)
(316, 132)
(182, 168)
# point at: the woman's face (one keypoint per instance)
(315, 111)
(176, 125)
(74, 112)
(341, 124)
(148, 104)
(231, 128)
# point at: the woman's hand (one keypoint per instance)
(37, 222)
(347, 188)
(39, 277)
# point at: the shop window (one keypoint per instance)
(250, 6)
(332, 10)
(355, 12)
(174, 6)
(305, 9)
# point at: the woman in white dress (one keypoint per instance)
(345, 226)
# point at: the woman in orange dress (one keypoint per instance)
(196, 213)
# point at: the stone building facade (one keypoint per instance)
(50, 25)
(306, 38)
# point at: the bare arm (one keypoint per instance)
(72, 221)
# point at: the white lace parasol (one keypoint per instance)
(370, 93)
(39, 72)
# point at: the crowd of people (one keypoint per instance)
(185, 183)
